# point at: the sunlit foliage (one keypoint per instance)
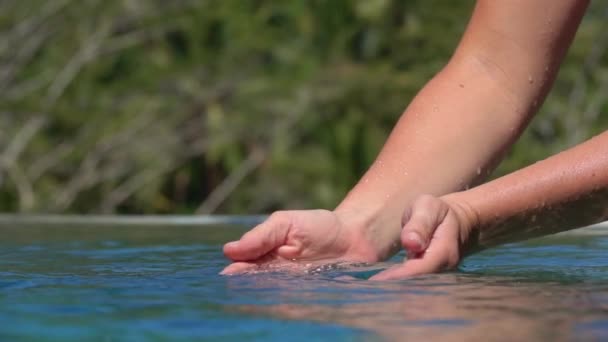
(234, 106)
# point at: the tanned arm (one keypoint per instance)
(453, 133)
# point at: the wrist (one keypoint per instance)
(469, 221)
(371, 225)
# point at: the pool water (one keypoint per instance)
(162, 283)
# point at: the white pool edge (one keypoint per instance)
(182, 221)
(128, 220)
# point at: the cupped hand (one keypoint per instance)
(294, 239)
(435, 233)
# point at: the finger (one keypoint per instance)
(261, 240)
(393, 273)
(249, 266)
(239, 267)
(425, 265)
(442, 254)
(420, 223)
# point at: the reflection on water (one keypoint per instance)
(163, 285)
(447, 307)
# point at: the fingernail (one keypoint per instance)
(232, 244)
(414, 237)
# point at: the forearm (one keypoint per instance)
(566, 191)
(458, 127)
(441, 144)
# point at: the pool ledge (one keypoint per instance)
(182, 221)
(128, 220)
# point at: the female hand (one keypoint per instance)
(447, 222)
(296, 238)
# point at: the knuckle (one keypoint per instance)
(278, 217)
(282, 218)
(248, 235)
(426, 200)
(424, 221)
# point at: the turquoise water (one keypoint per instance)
(115, 284)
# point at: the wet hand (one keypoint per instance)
(435, 231)
(296, 239)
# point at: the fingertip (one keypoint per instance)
(243, 250)
(380, 277)
(230, 247)
(232, 243)
(392, 273)
(237, 268)
(413, 242)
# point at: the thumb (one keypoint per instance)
(420, 223)
(261, 240)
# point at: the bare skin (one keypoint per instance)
(463, 121)
(566, 191)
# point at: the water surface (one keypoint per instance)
(162, 283)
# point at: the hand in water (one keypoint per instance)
(296, 238)
(448, 225)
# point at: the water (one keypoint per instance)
(161, 283)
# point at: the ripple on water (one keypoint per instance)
(121, 289)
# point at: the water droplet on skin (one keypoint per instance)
(435, 108)
(530, 79)
(533, 219)
(478, 171)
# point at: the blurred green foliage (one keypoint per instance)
(235, 106)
